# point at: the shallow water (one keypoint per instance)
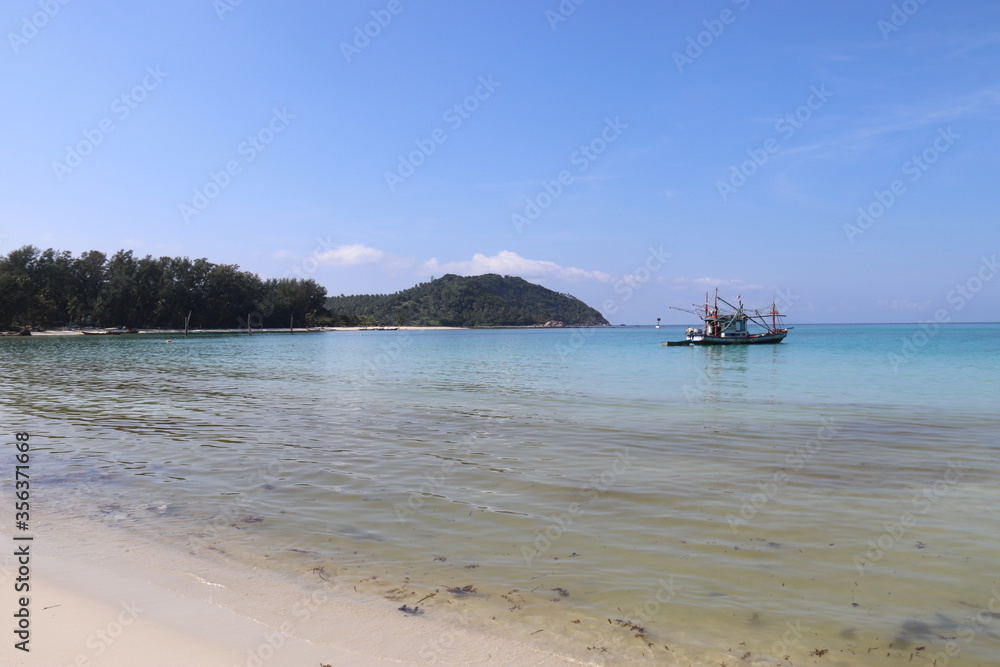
(829, 499)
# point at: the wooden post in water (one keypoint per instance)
(249, 333)
(186, 320)
(291, 319)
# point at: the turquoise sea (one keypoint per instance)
(829, 500)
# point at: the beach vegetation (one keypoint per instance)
(51, 288)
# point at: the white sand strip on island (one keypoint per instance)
(107, 597)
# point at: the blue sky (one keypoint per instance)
(841, 157)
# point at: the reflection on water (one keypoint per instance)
(632, 502)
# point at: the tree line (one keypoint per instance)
(48, 288)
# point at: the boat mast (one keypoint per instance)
(715, 314)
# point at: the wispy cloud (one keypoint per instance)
(903, 304)
(711, 283)
(510, 263)
(966, 43)
(902, 118)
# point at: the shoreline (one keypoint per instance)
(175, 332)
(106, 596)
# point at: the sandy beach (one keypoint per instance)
(175, 332)
(102, 596)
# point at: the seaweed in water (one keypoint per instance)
(517, 601)
(427, 597)
(410, 610)
(464, 590)
(397, 594)
(637, 629)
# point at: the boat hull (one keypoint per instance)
(758, 339)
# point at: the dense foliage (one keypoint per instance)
(52, 288)
(487, 300)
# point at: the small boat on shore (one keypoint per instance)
(732, 327)
(107, 332)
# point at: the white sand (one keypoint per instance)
(103, 596)
(174, 332)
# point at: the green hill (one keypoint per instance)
(475, 301)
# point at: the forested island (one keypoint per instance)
(43, 289)
(488, 300)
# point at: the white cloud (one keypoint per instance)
(510, 263)
(353, 254)
(903, 304)
(711, 283)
